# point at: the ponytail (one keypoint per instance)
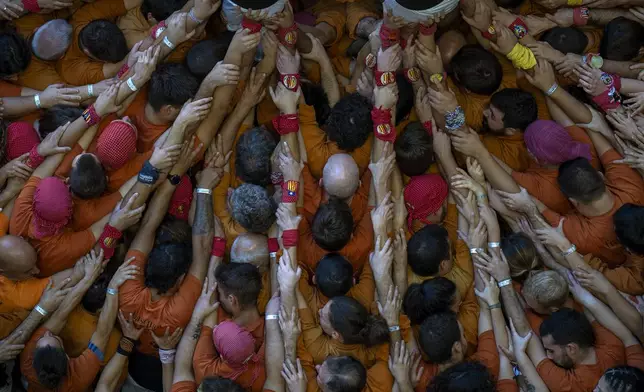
(356, 326)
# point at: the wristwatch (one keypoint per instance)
(174, 179)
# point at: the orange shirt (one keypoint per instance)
(4, 224)
(319, 148)
(156, 315)
(486, 353)
(627, 278)
(635, 356)
(609, 351)
(20, 295)
(81, 371)
(9, 89)
(541, 182)
(75, 66)
(509, 148)
(39, 74)
(148, 133)
(57, 252)
(10, 321)
(191, 386)
(78, 332)
(596, 234)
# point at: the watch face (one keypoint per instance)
(174, 180)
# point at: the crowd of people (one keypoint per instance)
(322, 195)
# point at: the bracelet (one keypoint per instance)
(290, 238)
(384, 78)
(192, 16)
(273, 245)
(40, 310)
(288, 35)
(251, 25)
(382, 127)
(96, 351)
(35, 159)
(594, 60)
(218, 247)
(204, 191)
(158, 29)
(519, 28)
(123, 70)
(37, 100)
(148, 174)
(131, 84)
(290, 191)
(108, 240)
(291, 81)
(412, 74)
(90, 116)
(286, 123)
(490, 33)
(167, 356)
(272, 317)
(575, 3)
(126, 345)
(495, 306)
(394, 328)
(388, 36)
(552, 89)
(580, 16)
(493, 244)
(112, 291)
(570, 251)
(505, 282)
(167, 42)
(475, 251)
(428, 30)
(31, 6)
(482, 196)
(90, 90)
(428, 127)
(455, 119)
(437, 78)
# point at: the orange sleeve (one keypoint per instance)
(468, 315)
(39, 75)
(134, 26)
(205, 360)
(130, 169)
(104, 9)
(358, 249)
(130, 291)
(83, 371)
(429, 371)
(307, 291)
(624, 182)
(312, 194)
(184, 386)
(184, 300)
(75, 67)
(333, 14)
(9, 89)
(62, 251)
(4, 224)
(450, 223)
(463, 259)
(509, 149)
(609, 349)
(318, 149)
(65, 167)
(635, 356)
(24, 294)
(379, 378)
(23, 209)
(556, 378)
(307, 246)
(627, 278)
(220, 205)
(507, 386)
(308, 366)
(488, 353)
(364, 290)
(89, 211)
(315, 341)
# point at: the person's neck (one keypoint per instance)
(247, 317)
(152, 117)
(325, 197)
(588, 357)
(598, 207)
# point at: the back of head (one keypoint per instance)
(629, 227)
(426, 249)
(233, 342)
(566, 39)
(521, 254)
(519, 107)
(117, 144)
(341, 176)
(568, 326)
(87, 179)
(52, 207)
(253, 156)
(355, 324)
(622, 40)
(104, 41)
(166, 264)
(579, 180)
(477, 69)
(251, 248)
(161, 9)
(55, 117)
(16, 253)
(414, 150)
(51, 40)
(551, 144)
(219, 384)
(314, 95)
(547, 288)
(173, 230)
(171, 84)
(432, 296)
(333, 275)
(94, 298)
(406, 97)
(346, 374)
(332, 225)
(15, 54)
(463, 377)
(243, 281)
(204, 55)
(350, 124)
(50, 365)
(437, 336)
(624, 379)
(253, 208)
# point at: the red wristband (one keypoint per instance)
(286, 123)
(389, 36)
(273, 245)
(290, 191)
(158, 29)
(288, 35)
(428, 30)
(122, 71)
(580, 16)
(34, 159)
(489, 34)
(108, 240)
(291, 81)
(519, 28)
(411, 74)
(428, 127)
(370, 61)
(90, 116)
(382, 127)
(290, 237)
(610, 98)
(251, 25)
(218, 247)
(31, 5)
(384, 78)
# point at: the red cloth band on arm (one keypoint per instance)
(384, 78)
(610, 98)
(580, 16)
(34, 159)
(286, 123)
(273, 245)
(90, 116)
(158, 29)
(122, 71)
(389, 36)
(288, 35)
(290, 190)
(218, 247)
(108, 240)
(519, 28)
(31, 5)
(489, 34)
(291, 81)
(428, 30)
(290, 237)
(382, 128)
(428, 127)
(251, 25)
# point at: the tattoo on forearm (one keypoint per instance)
(204, 220)
(196, 332)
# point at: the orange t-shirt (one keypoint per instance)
(509, 148)
(10, 321)
(596, 234)
(75, 66)
(627, 278)
(78, 332)
(20, 295)
(635, 356)
(166, 312)
(541, 182)
(191, 386)
(148, 133)
(9, 89)
(609, 351)
(39, 74)
(57, 252)
(81, 371)
(4, 224)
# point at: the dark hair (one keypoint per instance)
(314, 95)
(568, 326)
(629, 227)
(622, 39)
(414, 150)
(204, 55)
(426, 249)
(437, 336)
(104, 40)
(161, 9)
(87, 179)
(566, 39)
(333, 275)
(432, 296)
(242, 280)
(347, 374)
(94, 298)
(220, 384)
(253, 156)
(350, 124)
(166, 264)
(253, 208)
(521, 254)
(579, 180)
(16, 54)
(356, 325)
(173, 230)
(55, 117)
(50, 364)
(171, 84)
(332, 225)
(463, 377)
(406, 98)
(624, 379)
(477, 69)
(519, 107)
(509, 3)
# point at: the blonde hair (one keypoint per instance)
(548, 288)
(521, 255)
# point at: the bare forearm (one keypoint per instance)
(496, 175)
(275, 356)
(604, 16)
(626, 312)
(529, 371)
(57, 320)
(168, 372)
(514, 311)
(106, 320)
(18, 106)
(576, 111)
(24, 331)
(329, 82)
(111, 374)
(622, 68)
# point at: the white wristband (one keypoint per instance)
(192, 16)
(493, 244)
(112, 291)
(474, 251)
(205, 191)
(167, 356)
(40, 310)
(37, 100)
(505, 282)
(90, 90)
(570, 251)
(271, 317)
(167, 42)
(394, 328)
(130, 84)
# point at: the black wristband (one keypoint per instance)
(148, 174)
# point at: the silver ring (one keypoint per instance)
(4, 9)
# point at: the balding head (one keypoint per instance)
(251, 248)
(449, 44)
(51, 40)
(17, 258)
(341, 177)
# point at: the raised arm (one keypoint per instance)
(275, 344)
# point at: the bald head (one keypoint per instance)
(17, 257)
(341, 177)
(51, 40)
(449, 44)
(251, 248)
